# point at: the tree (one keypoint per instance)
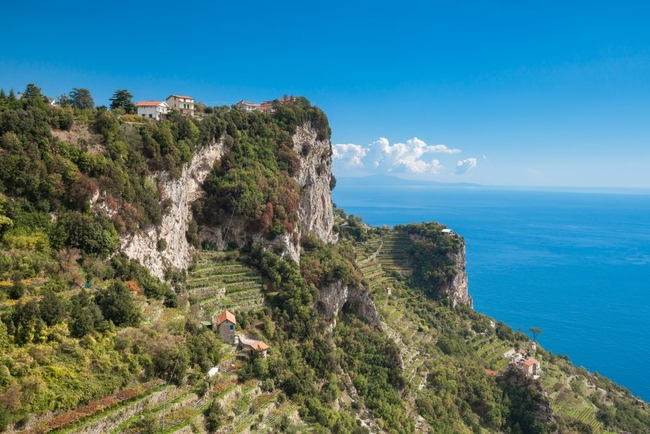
(212, 416)
(122, 99)
(52, 308)
(28, 325)
(17, 288)
(85, 316)
(535, 331)
(199, 107)
(33, 96)
(65, 101)
(117, 305)
(81, 98)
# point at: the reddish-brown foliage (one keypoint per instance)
(133, 286)
(93, 407)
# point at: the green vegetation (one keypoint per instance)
(446, 351)
(90, 339)
(73, 329)
(253, 181)
(429, 256)
(123, 99)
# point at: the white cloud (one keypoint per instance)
(382, 157)
(350, 155)
(464, 166)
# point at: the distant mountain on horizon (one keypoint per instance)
(382, 180)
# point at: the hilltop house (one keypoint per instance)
(448, 232)
(225, 326)
(264, 106)
(252, 346)
(247, 106)
(152, 109)
(531, 367)
(184, 104)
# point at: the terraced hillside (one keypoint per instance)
(171, 409)
(219, 281)
(382, 260)
(565, 400)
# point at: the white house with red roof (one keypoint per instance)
(181, 103)
(225, 324)
(152, 109)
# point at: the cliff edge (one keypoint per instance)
(458, 290)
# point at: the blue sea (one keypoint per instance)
(574, 263)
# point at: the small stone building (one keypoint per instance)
(225, 324)
(184, 104)
(252, 346)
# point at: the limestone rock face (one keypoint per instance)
(334, 297)
(235, 233)
(315, 213)
(182, 192)
(458, 289)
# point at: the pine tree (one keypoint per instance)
(81, 98)
(122, 99)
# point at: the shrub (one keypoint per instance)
(117, 305)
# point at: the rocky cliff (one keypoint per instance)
(315, 213)
(457, 290)
(315, 210)
(439, 263)
(144, 245)
(336, 296)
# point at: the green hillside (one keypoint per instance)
(92, 341)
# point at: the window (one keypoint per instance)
(232, 327)
(150, 115)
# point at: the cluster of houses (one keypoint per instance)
(158, 109)
(528, 365)
(264, 106)
(225, 325)
(185, 106)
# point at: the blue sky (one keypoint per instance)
(498, 93)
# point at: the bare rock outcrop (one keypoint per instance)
(333, 297)
(181, 192)
(235, 233)
(457, 290)
(315, 213)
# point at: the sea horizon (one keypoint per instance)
(416, 183)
